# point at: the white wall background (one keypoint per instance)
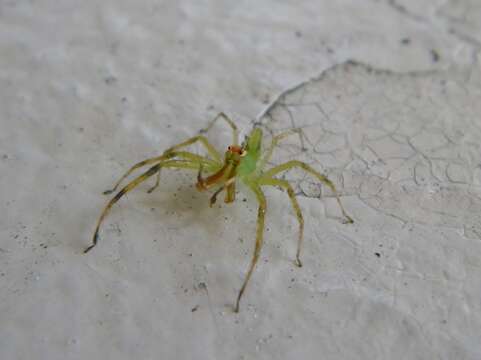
(89, 88)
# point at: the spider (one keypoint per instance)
(245, 162)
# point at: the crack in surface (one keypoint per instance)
(407, 145)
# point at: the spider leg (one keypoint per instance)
(225, 176)
(203, 140)
(218, 177)
(292, 196)
(229, 186)
(295, 163)
(275, 140)
(230, 193)
(213, 198)
(221, 115)
(181, 154)
(134, 183)
(259, 240)
(156, 185)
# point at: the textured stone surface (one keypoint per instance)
(88, 89)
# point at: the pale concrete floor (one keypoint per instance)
(89, 88)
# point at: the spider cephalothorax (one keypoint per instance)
(245, 162)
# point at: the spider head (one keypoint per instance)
(235, 153)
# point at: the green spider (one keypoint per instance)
(245, 162)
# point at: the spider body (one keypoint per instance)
(252, 154)
(246, 162)
(239, 162)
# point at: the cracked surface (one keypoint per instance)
(87, 89)
(406, 145)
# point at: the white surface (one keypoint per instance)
(89, 89)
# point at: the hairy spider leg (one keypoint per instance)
(259, 239)
(179, 164)
(296, 163)
(295, 205)
(167, 155)
(235, 131)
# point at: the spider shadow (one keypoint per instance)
(178, 201)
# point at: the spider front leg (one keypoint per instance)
(229, 186)
(292, 196)
(295, 163)
(133, 184)
(221, 115)
(203, 140)
(132, 169)
(259, 239)
(166, 156)
(225, 177)
(156, 185)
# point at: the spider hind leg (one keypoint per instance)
(259, 241)
(297, 209)
(307, 168)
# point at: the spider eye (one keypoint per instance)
(229, 148)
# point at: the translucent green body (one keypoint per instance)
(248, 162)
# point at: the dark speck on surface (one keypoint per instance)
(110, 80)
(405, 41)
(202, 285)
